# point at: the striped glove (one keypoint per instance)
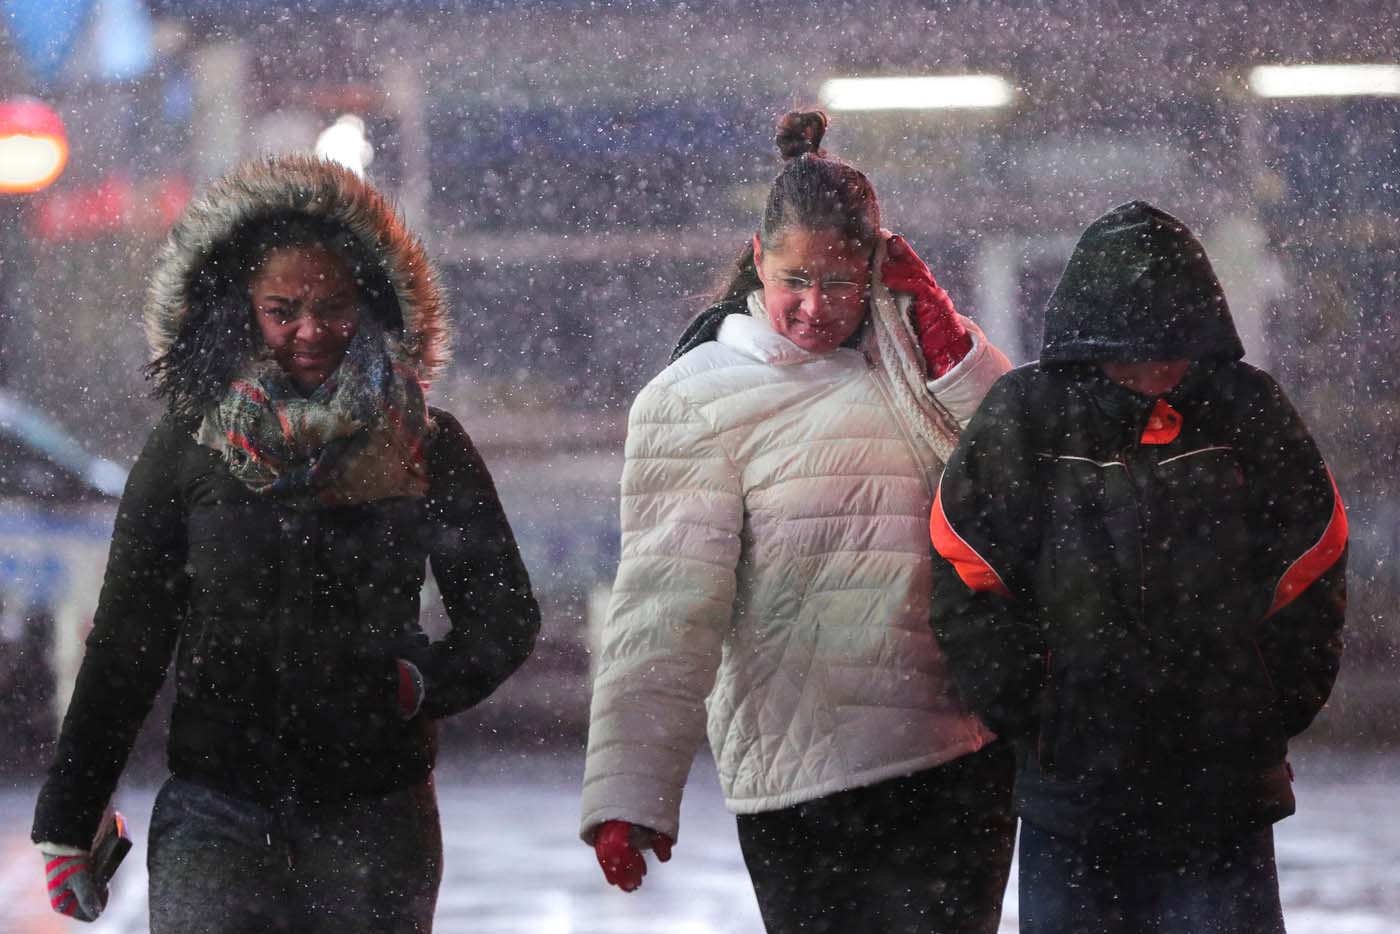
(72, 889)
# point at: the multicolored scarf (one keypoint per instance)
(357, 438)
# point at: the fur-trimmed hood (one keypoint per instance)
(320, 189)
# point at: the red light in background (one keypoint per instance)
(33, 145)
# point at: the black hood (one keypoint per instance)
(1138, 287)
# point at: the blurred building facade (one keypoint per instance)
(584, 174)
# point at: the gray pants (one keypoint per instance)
(222, 865)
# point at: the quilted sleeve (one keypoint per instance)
(962, 388)
(672, 603)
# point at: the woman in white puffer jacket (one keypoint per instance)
(775, 582)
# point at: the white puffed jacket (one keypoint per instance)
(776, 570)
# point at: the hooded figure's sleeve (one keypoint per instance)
(672, 605)
(144, 595)
(985, 533)
(1300, 529)
(485, 588)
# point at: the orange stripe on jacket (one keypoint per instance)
(1316, 560)
(974, 570)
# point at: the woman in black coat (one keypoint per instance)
(273, 539)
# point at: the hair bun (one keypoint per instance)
(801, 132)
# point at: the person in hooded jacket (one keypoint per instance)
(775, 569)
(273, 539)
(1142, 584)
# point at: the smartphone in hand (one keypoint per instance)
(109, 848)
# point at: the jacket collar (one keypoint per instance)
(1134, 408)
(753, 336)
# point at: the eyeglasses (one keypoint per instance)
(830, 288)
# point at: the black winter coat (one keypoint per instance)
(1146, 597)
(286, 625)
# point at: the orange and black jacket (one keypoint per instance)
(1146, 595)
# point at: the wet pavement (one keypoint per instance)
(514, 864)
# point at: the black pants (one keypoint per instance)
(1137, 886)
(222, 865)
(926, 854)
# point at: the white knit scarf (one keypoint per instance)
(895, 350)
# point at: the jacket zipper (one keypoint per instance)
(295, 549)
(1046, 768)
(1264, 667)
(1142, 554)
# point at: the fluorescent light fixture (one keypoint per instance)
(931, 92)
(1325, 80)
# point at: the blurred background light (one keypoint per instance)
(344, 142)
(33, 145)
(1325, 80)
(930, 92)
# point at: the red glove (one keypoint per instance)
(942, 337)
(616, 846)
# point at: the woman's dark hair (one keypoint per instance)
(216, 338)
(813, 192)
